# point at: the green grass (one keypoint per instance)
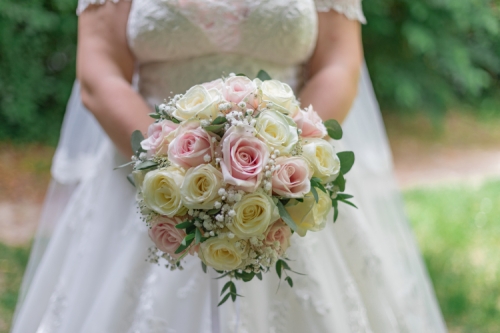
(458, 229)
(12, 263)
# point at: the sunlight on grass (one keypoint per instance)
(458, 229)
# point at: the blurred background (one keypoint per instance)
(435, 66)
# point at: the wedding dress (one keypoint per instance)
(88, 270)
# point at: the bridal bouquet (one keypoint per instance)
(230, 170)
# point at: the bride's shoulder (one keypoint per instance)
(83, 4)
(352, 9)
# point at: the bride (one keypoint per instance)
(88, 273)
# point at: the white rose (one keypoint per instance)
(277, 131)
(280, 95)
(254, 213)
(321, 155)
(200, 187)
(199, 103)
(309, 215)
(161, 191)
(222, 253)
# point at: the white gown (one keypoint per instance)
(88, 271)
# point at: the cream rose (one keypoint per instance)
(281, 233)
(293, 178)
(309, 215)
(321, 155)
(277, 131)
(200, 187)
(161, 191)
(197, 102)
(223, 253)
(254, 213)
(280, 95)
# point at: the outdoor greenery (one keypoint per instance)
(423, 55)
(457, 228)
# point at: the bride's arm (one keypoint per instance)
(334, 67)
(105, 67)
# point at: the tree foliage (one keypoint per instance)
(423, 55)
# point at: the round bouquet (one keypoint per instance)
(230, 170)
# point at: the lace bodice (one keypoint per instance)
(179, 43)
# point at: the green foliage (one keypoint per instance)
(37, 61)
(457, 229)
(431, 54)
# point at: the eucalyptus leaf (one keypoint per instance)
(224, 299)
(315, 194)
(146, 165)
(286, 217)
(155, 115)
(130, 178)
(219, 120)
(184, 225)
(135, 141)
(346, 161)
(263, 76)
(214, 128)
(334, 129)
(124, 165)
(175, 120)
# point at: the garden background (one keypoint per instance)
(435, 66)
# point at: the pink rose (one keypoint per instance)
(292, 179)
(244, 158)
(157, 142)
(191, 146)
(281, 233)
(215, 84)
(310, 123)
(240, 89)
(167, 237)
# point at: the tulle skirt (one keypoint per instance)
(88, 270)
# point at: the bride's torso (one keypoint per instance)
(179, 43)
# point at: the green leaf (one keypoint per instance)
(316, 182)
(340, 182)
(289, 280)
(155, 115)
(175, 120)
(346, 161)
(187, 240)
(343, 196)
(146, 165)
(279, 265)
(219, 120)
(335, 210)
(315, 194)
(184, 225)
(233, 291)
(226, 287)
(334, 129)
(157, 109)
(286, 217)
(224, 299)
(124, 165)
(214, 128)
(213, 211)
(263, 76)
(349, 203)
(130, 178)
(259, 276)
(240, 74)
(203, 267)
(197, 236)
(135, 141)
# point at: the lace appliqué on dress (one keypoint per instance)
(350, 8)
(83, 4)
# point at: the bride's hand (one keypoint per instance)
(334, 67)
(105, 67)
